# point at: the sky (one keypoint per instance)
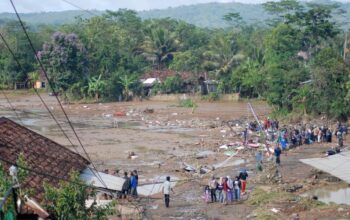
(26, 6)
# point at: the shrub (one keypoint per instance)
(172, 84)
(211, 97)
(187, 103)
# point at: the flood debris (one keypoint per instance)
(292, 187)
(274, 210)
(119, 114)
(230, 153)
(204, 154)
(132, 155)
(148, 111)
(130, 211)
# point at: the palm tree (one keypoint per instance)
(159, 46)
(222, 55)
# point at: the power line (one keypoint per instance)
(42, 100)
(53, 89)
(49, 175)
(78, 7)
(37, 93)
(11, 107)
(22, 111)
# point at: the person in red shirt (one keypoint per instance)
(265, 124)
(225, 190)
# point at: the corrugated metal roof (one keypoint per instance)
(337, 165)
(112, 182)
(116, 183)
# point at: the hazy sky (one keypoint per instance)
(61, 5)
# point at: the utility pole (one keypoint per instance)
(345, 45)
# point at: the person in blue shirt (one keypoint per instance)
(133, 183)
(277, 153)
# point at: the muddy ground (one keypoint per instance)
(167, 136)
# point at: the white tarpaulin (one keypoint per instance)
(116, 183)
(337, 165)
(112, 182)
(150, 81)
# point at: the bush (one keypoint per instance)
(172, 84)
(211, 97)
(187, 103)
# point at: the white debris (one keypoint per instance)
(134, 157)
(225, 147)
(274, 210)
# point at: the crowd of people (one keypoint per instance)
(299, 135)
(225, 189)
(285, 137)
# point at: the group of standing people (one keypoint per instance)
(226, 190)
(302, 135)
(284, 137)
(298, 135)
(130, 184)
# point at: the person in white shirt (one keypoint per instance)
(166, 190)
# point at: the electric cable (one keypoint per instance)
(41, 99)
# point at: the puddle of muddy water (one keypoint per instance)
(338, 195)
(231, 163)
(167, 129)
(41, 121)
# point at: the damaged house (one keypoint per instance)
(50, 163)
(45, 157)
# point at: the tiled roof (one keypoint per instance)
(42, 155)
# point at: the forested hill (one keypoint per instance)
(51, 18)
(211, 14)
(203, 15)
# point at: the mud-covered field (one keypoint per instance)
(164, 137)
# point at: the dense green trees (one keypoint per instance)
(295, 63)
(64, 59)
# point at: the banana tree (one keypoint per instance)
(96, 86)
(127, 81)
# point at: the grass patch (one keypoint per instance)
(308, 204)
(263, 214)
(260, 196)
(211, 97)
(187, 103)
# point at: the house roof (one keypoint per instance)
(163, 74)
(42, 155)
(336, 165)
(31, 206)
(150, 81)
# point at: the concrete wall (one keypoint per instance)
(176, 97)
(230, 97)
